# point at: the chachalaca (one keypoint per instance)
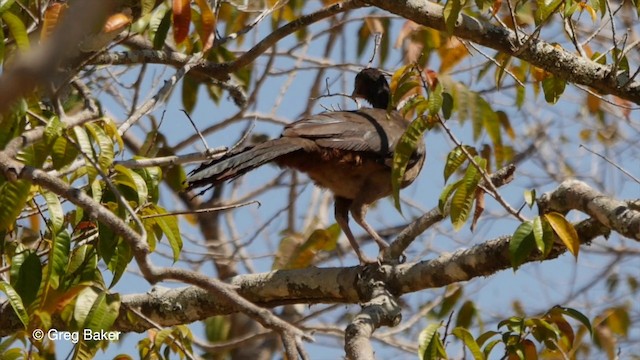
(348, 152)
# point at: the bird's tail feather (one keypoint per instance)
(235, 164)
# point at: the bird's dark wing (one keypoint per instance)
(366, 130)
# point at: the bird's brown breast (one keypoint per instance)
(344, 173)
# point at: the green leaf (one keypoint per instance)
(464, 196)
(487, 349)
(406, 147)
(63, 153)
(83, 141)
(447, 105)
(169, 226)
(189, 93)
(6, 4)
(451, 12)
(104, 312)
(553, 87)
(530, 197)
(430, 345)
(453, 293)
(160, 32)
(565, 231)
(492, 126)
(435, 100)
(14, 196)
(486, 336)
(514, 324)
(465, 314)
(131, 179)
(120, 261)
(56, 215)
(363, 39)
(152, 177)
(403, 81)
(547, 237)
(468, 340)
(146, 6)
(58, 258)
(105, 144)
(521, 244)
(545, 9)
(446, 193)
(575, 314)
(16, 302)
(536, 226)
(455, 159)
(84, 303)
(483, 117)
(17, 29)
(26, 276)
(53, 130)
(107, 242)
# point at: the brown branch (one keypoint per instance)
(382, 309)
(312, 285)
(576, 195)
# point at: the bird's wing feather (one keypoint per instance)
(366, 130)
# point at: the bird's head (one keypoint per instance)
(371, 86)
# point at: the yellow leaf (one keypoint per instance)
(565, 231)
(451, 54)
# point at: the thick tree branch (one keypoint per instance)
(576, 195)
(382, 309)
(314, 285)
(553, 59)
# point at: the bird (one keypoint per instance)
(347, 152)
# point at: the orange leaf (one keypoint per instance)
(181, 20)
(538, 73)
(496, 7)
(451, 54)
(116, 23)
(593, 103)
(208, 24)
(408, 28)
(52, 16)
(375, 25)
(431, 77)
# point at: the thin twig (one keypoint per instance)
(202, 211)
(612, 163)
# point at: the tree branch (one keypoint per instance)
(559, 62)
(309, 286)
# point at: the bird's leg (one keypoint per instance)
(358, 211)
(342, 206)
